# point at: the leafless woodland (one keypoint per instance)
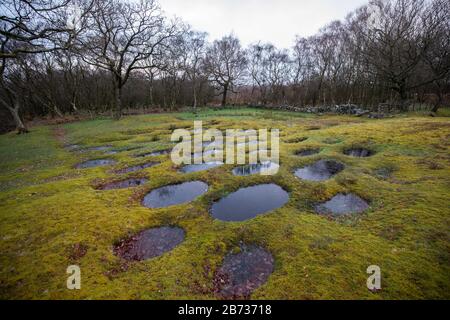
(90, 57)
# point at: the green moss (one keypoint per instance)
(47, 208)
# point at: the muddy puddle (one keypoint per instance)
(137, 168)
(154, 153)
(95, 163)
(247, 203)
(200, 167)
(129, 183)
(175, 194)
(149, 243)
(98, 148)
(307, 152)
(320, 171)
(72, 147)
(342, 204)
(359, 152)
(241, 273)
(265, 168)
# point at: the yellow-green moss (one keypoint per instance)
(47, 206)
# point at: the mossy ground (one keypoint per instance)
(49, 210)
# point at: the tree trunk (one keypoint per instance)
(151, 90)
(20, 126)
(440, 99)
(117, 100)
(224, 96)
(194, 87)
(401, 89)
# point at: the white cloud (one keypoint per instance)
(275, 21)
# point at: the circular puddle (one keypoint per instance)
(149, 243)
(124, 184)
(241, 273)
(267, 168)
(95, 163)
(72, 147)
(174, 194)
(154, 153)
(342, 204)
(307, 152)
(200, 167)
(359, 152)
(98, 148)
(137, 168)
(247, 203)
(320, 171)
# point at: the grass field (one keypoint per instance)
(49, 210)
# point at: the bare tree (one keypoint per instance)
(121, 37)
(225, 63)
(397, 36)
(194, 49)
(29, 27)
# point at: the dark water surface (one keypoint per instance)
(149, 243)
(174, 194)
(247, 203)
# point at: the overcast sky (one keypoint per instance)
(275, 21)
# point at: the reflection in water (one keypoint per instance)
(95, 163)
(266, 168)
(154, 153)
(174, 194)
(359, 152)
(343, 204)
(247, 203)
(200, 167)
(99, 148)
(320, 171)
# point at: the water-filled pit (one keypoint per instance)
(154, 153)
(247, 203)
(149, 243)
(342, 204)
(359, 152)
(129, 183)
(320, 171)
(174, 194)
(137, 168)
(307, 152)
(241, 273)
(98, 148)
(72, 147)
(95, 163)
(267, 168)
(190, 168)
